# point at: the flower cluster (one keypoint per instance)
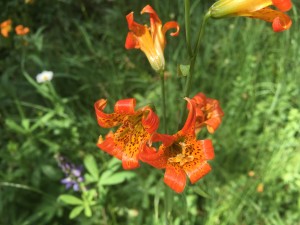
(6, 27)
(72, 172)
(180, 154)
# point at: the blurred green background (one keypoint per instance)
(251, 70)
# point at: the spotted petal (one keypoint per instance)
(175, 178)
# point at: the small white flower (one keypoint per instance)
(44, 76)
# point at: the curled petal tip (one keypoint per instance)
(171, 25)
(278, 26)
(125, 106)
(100, 104)
(147, 9)
(130, 20)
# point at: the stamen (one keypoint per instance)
(182, 158)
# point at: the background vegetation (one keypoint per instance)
(251, 70)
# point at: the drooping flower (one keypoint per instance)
(151, 41)
(135, 130)
(181, 154)
(21, 30)
(73, 173)
(44, 76)
(255, 9)
(6, 27)
(208, 113)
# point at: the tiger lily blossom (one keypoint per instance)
(21, 30)
(258, 9)
(135, 130)
(208, 113)
(5, 28)
(180, 154)
(151, 41)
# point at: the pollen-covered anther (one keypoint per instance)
(182, 158)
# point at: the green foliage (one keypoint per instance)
(253, 72)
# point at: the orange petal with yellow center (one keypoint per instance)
(132, 147)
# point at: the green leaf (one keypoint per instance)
(76, 211)
(91, 165)
(106, 174)
(14, 126)
(114, 164)
(87, 210)
(90, 194)
(116, 178)
(200, 192)
(183, 70)
(70, 199)
(89, 178)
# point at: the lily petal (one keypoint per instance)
(175, 178)
(130, 161)
(189, 126)
(150, 121)
(283, 5)
(105, 120)
(197, 171)
(280, 20)
(154, 158)
(208, 149)
(171, 25)
(154, 19)
(125, 106)
(131, 41)
(108, 145)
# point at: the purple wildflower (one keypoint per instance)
(73, 173)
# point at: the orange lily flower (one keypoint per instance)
(135, 130)
(255, 9)
(21, 30)
(208, 112)
(6, 28)
(181, 154)
(151, 41)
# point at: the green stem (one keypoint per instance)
(187, 21)
(192, 67)
(163, 93)
(168, 205)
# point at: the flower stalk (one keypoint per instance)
(163, 94)
(193, 57)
